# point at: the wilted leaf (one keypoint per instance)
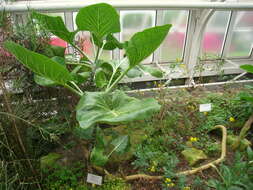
(193, 155)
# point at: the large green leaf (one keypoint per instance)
(113, 108)
(100, 19)
(247, 67)
(144, 43)
(43, 81)
(39, 64)
(55, 25)
(121, 144)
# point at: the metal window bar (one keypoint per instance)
(66, 6)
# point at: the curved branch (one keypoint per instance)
(193, 171)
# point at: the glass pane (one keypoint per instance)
(172, 47)
(135, 21)
(214, 35)
(242, 38)
(84, 42)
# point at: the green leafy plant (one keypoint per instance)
(107, 106)
(238, 176)
(63, 177)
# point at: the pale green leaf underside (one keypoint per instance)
(113, 108)
(144, 43)
(100, 19)
(43, 81)
(39, 64)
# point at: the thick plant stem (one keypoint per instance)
(117, 80)
(73, 90)
(193, 171)
(80, 51)
(243, 132)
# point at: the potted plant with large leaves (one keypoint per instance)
(106, 106)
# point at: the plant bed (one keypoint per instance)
(133, 142)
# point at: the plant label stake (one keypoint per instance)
(205, 107)
(94, 179)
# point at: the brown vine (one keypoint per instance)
(193, 171)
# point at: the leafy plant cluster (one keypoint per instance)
(223, 108)
(105, 106)
(63, 177)
(237, 176)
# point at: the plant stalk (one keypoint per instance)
(73, 90)
(117, 80)
(80, 51)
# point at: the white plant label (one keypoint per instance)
(95, 179)
(205, 107)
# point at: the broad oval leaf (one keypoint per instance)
(121, 144)
(113, 108)
(43, 81)
(247, 67)
(100, 19)
(55, 25)
(39, 64)
(144, 43)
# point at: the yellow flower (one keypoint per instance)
(191, 107)
(178, 60)
(231, 119)
(187, 188)
(93, 185)
(205, 113)
(182, 65)
(160, 85)
(154, 163)
(171, 184)
(167, 180)
(152, 169)
(194, 139)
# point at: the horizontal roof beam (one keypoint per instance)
(64, 5)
